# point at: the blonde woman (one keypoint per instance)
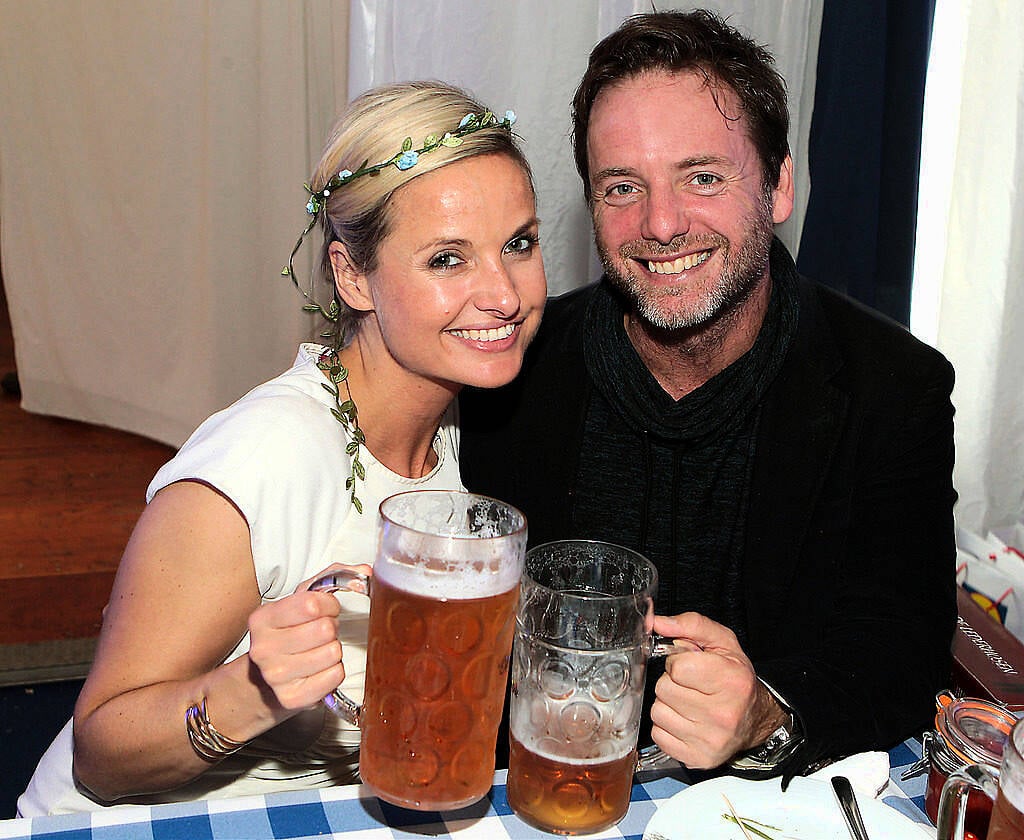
(213, 656)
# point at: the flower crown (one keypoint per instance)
(408, 157)
(344, 410)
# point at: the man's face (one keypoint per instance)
(682, 218)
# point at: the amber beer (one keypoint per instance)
(578, 663)
(1008, 814)
(435, 686)
(445, 584)
(559, 795)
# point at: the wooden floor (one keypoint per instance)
(69, 496)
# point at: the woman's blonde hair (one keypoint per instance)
(372, 130)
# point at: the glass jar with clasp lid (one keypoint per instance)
(967, 731)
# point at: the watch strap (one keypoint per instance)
(777, 747)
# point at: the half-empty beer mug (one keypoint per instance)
(583, 638)
(442, 612)
(1006, 788)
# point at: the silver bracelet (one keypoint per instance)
(208, 743)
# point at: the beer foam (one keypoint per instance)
(450, 578)
(605, 749)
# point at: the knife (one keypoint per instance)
(848, 804)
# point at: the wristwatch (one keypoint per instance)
(781, 744)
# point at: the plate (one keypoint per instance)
(806, 811)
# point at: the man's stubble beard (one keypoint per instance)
(742, 270)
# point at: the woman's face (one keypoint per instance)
(459, 286)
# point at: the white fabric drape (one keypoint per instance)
(968, 290)
(152, 157)
(529, 56)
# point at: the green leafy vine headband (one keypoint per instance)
(344, 411)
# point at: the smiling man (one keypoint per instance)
(782, 454)
(683, 215)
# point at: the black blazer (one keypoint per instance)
(848, 567)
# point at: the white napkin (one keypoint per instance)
(868, 772)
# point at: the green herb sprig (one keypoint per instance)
(752, 826)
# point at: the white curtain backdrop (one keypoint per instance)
(529, 56)
(152, 157)
(969, 268)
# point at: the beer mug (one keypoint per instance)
(583, 639)
(442, 612)
(1006, 788)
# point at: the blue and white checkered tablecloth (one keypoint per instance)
(352, 812)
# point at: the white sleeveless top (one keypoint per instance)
(279, 455)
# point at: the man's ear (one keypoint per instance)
(782, 195)
(349, 281)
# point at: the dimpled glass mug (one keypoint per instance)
(583, 639)
(1005, 787)
(442, 612)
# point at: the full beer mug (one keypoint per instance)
(583, 639)
(442, 612)
(1006, 788)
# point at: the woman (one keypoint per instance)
(213, 655)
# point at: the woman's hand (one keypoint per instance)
(294, 644)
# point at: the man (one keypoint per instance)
(782, 454)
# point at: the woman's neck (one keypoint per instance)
(399, 412)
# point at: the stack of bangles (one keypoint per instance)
(208, 743)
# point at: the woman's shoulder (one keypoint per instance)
(295, 400)
(281, 430)
(294, 393)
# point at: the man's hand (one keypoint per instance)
(709, 703)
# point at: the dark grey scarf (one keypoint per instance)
(709, 411)
(671, 478)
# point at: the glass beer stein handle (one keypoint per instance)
(654, 757)
(953, 801)
(343, 580)
(665, 646)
